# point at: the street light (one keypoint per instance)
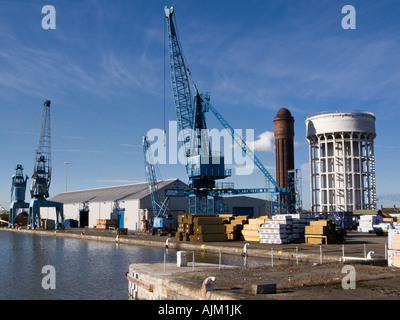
(66, 176)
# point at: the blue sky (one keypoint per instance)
(103, 69)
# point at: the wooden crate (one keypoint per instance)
(316, 229)
(313, 239)
(105, 224)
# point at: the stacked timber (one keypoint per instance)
(250, 230)
(185, 226)
(366, 223)
(394, 248)
(234, 226)
(200, 228)
(324, 232)
(106, 224)
(278, 230)
(208, 229)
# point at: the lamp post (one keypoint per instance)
(66, 176)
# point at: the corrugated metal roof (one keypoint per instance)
(116, 193)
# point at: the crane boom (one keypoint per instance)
(162, 220)
(41, 177)
(180, 84)
(159, 207)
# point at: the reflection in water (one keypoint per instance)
(84, 269)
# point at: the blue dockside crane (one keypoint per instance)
(162, 221)
(18, 191)
(41, 177)
(202, 167)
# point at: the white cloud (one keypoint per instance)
(264, 142)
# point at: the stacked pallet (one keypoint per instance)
(276, 231)
(106, 224)
(366, 223)
(200, 228)
(250, 230)
(234, 226)
(324, 232)
(394, 248)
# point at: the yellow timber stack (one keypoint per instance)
(324, 232)
(210, 228)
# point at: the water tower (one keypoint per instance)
(342, 162)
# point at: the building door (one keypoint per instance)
(243, 211)
(83, 218)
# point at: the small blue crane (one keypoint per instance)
(18, 191)
(162, 222)
(41, 177)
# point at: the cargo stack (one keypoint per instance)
(185, 226)
(276, 231)
(324, 232)
(234, 226)
(366, 222)
(394, 248)
(201, 228)
(208, 229)
(250, 230)
(106, 224)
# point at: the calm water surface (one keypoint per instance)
(85, 270)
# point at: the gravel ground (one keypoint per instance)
(309, 282)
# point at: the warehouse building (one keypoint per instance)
(130, 205)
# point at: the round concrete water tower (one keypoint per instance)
(342, 162)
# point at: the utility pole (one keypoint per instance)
(66, 175)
